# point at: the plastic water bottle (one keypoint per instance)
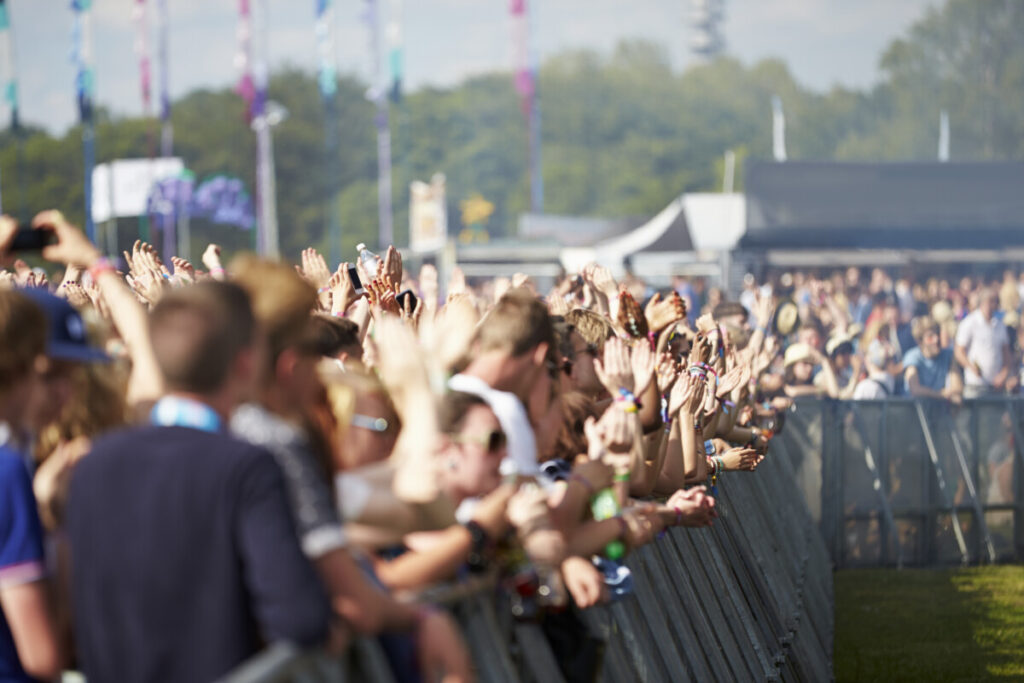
(605, 506)
(369, 260)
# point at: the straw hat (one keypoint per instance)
(942, 312)
(787, 318)
(798, 352)
(838, 341)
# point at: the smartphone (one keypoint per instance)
(29, 239)
(401, 300)
(357, 284)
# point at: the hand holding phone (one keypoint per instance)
(29, 239)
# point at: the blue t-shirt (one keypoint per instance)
(931, 372)
(21, 547)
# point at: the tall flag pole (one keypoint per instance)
(254, 90)
(526, 86)
(327, 80)
(141, 19)
(167, 129)
(778, 129)
(9, 76)
(379, 97)
(81, 40)
(243, 62)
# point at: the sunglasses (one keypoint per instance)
(493, 441)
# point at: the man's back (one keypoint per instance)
(184, 557)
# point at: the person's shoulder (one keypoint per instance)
(913, 356)
(12, 465)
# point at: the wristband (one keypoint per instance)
(679, 515)
(628, 400)
(621, 477)
(324, 289)
(102, 265)
(338, 314)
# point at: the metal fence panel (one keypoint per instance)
(749, 599)
(911, 481)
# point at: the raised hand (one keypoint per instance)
(643, 361)
(72, 247)
(687, 395)
(666, 373)
(314, 268)
(630, 317)
(730, 380)
(662, 313)
(391, 267)
(211, 259)
(614, 370)
(343, 292)
(557, 305)
(76, 295)
(183, 271)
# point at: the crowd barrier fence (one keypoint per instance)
(915, 482)
(749, 599)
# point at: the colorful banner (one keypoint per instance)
(394, 43)
(140, 17)
(81, 50)
(243, 57)
(9, 75)
(167, 133)
(428, 215)
(327, 74)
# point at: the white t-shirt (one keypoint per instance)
(983, 340)
(876, 387)
(522, 446)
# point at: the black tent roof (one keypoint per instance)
(816, 205)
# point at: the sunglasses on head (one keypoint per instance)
(493, 441)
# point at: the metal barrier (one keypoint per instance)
(749, 599)
(910, 481)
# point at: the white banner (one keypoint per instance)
(132, 181)
(428, 215)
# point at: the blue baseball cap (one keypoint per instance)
(66, 338)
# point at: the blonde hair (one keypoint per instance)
(593, 327)
(281, 300)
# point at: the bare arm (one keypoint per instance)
(74, 249)
(26, 610)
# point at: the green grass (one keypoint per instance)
(930, 625)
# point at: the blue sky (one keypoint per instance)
(825, 42)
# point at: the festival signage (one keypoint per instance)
(428, 215)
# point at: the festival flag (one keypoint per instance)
(394, 41)
(81, 51)
(141, 19)
(167, 133)
(243, 57)
(327, 74)
(9, 75)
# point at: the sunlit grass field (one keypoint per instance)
(930, 625)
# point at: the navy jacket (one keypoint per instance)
(184, 557)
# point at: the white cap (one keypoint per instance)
(361, 246)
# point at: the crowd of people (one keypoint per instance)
(198, 461)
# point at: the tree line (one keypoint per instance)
(623, 133)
